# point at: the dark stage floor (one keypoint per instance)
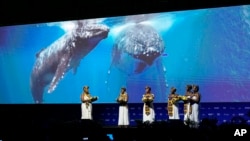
(158, 131)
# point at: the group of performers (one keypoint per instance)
(191, 101)
(191, 105)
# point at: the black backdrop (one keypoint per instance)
(14, 12)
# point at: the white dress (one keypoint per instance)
(123, 117)
(195, 112)
(148, 117)
(175, 111)
(187, 115)
(86, 109)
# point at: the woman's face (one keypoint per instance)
(195, 88)
(122, 90)
(188, 88)
(173, 91)
(86, 89)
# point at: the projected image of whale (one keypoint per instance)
(136, 48)
(63, 55)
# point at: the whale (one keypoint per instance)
(64, 54)
(136, 48)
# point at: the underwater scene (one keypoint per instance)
(51, 62)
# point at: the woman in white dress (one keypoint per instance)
(148, 107)
(173, 104)
(187, 105)
(86, 105)
(195, 101)
(123, 117)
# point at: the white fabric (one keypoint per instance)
(195, 113)
(194, 116)
(151, 116)
(187, 115)
(194, 97)
(86, 111)
(123, 118)
(175, 112)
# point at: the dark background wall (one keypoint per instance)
(25, 11)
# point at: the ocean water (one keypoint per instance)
(207, 47)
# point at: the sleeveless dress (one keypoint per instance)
(86, 108)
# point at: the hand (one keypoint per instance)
(94, 98)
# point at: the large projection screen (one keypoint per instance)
(50, 62)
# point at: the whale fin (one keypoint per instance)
(60, 71)
(75, 67)
(74, 70)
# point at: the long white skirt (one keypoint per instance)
(151, 116)
(175, 112)
(195, 113)
(123, 118)
(86, 111)
(187, 116)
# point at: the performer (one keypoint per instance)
(123, 117)
(195, 101)
(187, 104)
(173, 104)
(148, 107)
(86, 105)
